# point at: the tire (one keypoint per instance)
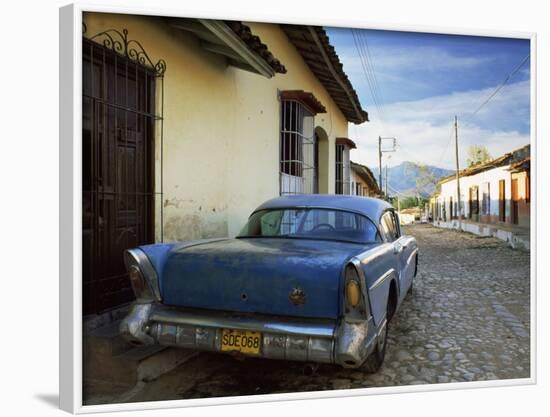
(410, 290)
(375, 360)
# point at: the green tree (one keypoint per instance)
(409, 202)
(425, 179)
(478, 154)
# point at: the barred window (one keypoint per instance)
(343, 176)
(298, 147)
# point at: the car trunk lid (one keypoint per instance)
(293, 277)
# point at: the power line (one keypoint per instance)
(370, 61)
(368, 72)
(370, 68)
(499, 87)
(365, 71)
(489, 98)
(448, 143)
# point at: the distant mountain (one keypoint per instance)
(403, 178)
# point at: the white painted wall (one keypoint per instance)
(492, 176)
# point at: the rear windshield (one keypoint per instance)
(311, 223)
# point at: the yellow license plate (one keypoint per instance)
(242, 341)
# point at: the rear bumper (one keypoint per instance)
(307, 340)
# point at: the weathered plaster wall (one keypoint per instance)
(492, 176)
(356, 179)
(221, 127)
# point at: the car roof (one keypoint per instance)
(370, 207)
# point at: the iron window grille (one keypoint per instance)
(298, 162)
(343, 170)
(122, 129)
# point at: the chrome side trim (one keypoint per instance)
(139, 257)
(373, 253)
(264, 324)
(381, 279)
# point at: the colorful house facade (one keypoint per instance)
(494, 192)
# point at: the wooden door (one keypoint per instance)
(474, 203)
(117, 175)
(514, 202)
(501, 201)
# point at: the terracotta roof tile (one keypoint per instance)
(255, 44)
(313, 44)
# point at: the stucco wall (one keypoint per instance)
(221, 126)
(492, 176)
(356, 179)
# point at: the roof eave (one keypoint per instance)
(313, 44)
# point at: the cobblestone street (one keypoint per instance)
(467, 319)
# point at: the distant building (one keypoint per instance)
(363, 182)
(494, 192)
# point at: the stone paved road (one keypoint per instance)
(466, 320)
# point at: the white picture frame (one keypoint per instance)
(70, 214)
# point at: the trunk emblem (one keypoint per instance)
(297, 296)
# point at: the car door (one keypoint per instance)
(406, 247)
(392, 232)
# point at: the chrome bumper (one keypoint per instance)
(307, 340)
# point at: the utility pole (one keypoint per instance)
(380, 151)
(380, 161)
(386, 180)
(457, 173)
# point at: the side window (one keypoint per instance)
(395, 218)
(389, 226)
(270, 223)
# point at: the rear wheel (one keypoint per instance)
(373, 363)
(376, 358)
(410, 290)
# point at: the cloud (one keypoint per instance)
(425, 58)
(508, 108)
(424, 128)
(409, 70)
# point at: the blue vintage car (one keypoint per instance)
(313, 278)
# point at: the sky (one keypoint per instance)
(422, 80)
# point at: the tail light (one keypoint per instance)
(137, 281)
(354, 293)
(142, 276)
